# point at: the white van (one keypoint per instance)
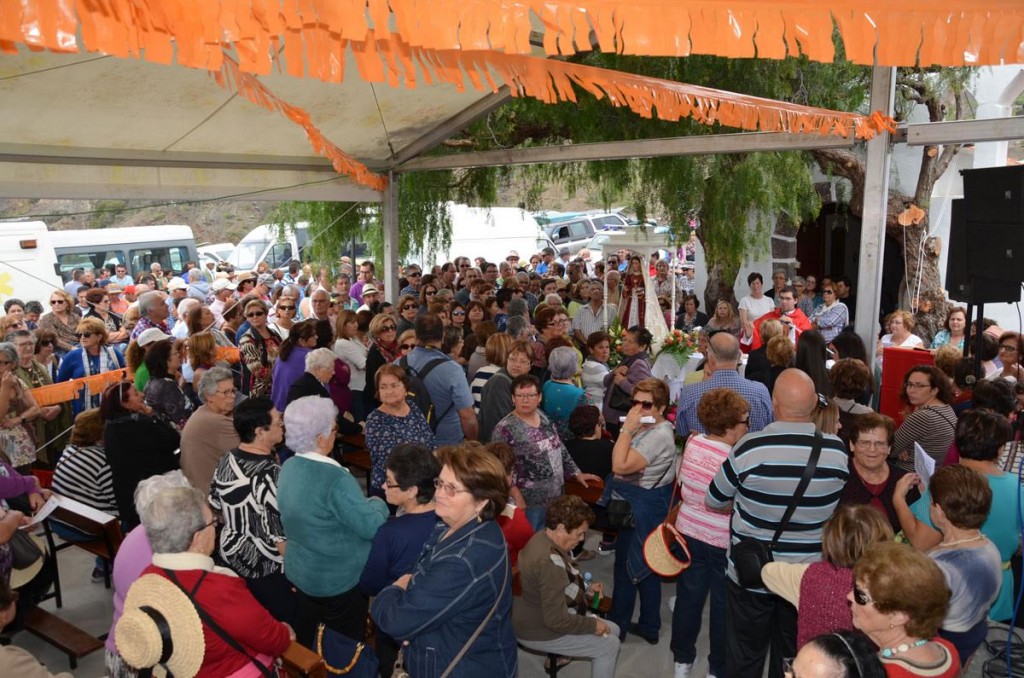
(264, 243)
(490, 232)
(137, 247)
(27, 262)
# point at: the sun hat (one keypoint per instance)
(22, 576)
(153, 334)
(369, 289)
(160, 628)
(177, 284)
(223, 284)
(242, 277)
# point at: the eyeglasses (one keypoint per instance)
(388, 328)
(449, 489)
(827, 292)
(430, 293)
(875, 444)
(458, 313)
(643, 404)
(409, 307)
(915, 385)
(55, 302)
(526, 396)
(209, 524)
(83, 335)
(861, 597)
(407, 347)
(463, 265)
(228, 392)
(285, 308)
(414, 274)
(1009, 348)
(255, 314)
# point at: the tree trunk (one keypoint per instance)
(721, 279)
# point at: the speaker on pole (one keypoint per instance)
(965, 281)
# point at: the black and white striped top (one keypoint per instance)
(83, 474)
(761, 474)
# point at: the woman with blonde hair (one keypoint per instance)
(202, 355)
(496, 353)
(351, 347)
(92, 357)
(901, 325)
(61, 320)
(725, 319)
(818, 590)
(406, 342)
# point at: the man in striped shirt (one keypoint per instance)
(756, 482)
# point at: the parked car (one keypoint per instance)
(576, 230)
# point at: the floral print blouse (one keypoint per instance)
(542, 462)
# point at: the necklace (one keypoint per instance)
(902, 647)
(947, 544)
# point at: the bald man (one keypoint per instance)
(756, 483)
(723, 359)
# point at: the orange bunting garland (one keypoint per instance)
(893, 33)
(54, 394)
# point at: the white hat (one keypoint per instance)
(177, 284)
(266, 279)
(369, 289)
(153, 334)
(160, 627)
(223, 284)
(512, 254)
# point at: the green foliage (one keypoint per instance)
(107, 213)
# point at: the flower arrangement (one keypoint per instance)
(679, 345)
(616, 332)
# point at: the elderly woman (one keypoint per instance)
(831, 317)
(329, 522)
(980, 437)
(971, 564)
(291, 361)
(932, 423)
(99, 307)
(553, 613)
(46, 353)
(542, 462)
(61, 320)
(351, 346)
(873, 478)
(50, 427)
(901, 326)
(286, 311)
(454, 608)
(691, 317)
(93, 356)
(408, 309)
(259, 347)
(409, 486)
(953, 329)
(899, 599)
(725, 415)
(383, 349)
(643, 462)
(620, 382)
(496, 395)
(163, 393)
(17, 409)
(496, 355)
(1011, 354)
(397, 420)
(841, 654)
(181, 530)
(560, 395)
(138, 445)
(818, 590)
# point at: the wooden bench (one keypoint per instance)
(103, 531)
(357, 456)
(590, 494)
(65, 636)
(301, 662)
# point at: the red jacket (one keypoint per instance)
(227, 600)
(800, 322)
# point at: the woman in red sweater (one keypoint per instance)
(180, 527)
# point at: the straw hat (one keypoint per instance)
(20, 577)
(659, 547)
(160, 628)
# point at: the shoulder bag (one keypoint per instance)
(750, 555)
(619, 512)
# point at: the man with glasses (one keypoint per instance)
(755, 484)
(209, 433)
(367, 271)
(320, 305)
(720, 372)
(793, 320)
(413, 275)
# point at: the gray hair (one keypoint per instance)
(7, 347)
(563, 363)
(152, 486)
(518, 307)
(307, 418)
(515, 326)
(798, 280)
(319, 291)
(553, 300)
(148, 300)
(211, 379)
(444, 294)
(291, 290)
(186, 305)
(195, 275)
(320, 359)
(173, 517)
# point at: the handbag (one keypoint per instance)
(479, 629)
(620, 400)
(345, 657)
(24, 550)
(750, 555)
(619, 513)
(665, 541)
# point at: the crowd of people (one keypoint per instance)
(479, 395)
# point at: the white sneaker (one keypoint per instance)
(682, 670)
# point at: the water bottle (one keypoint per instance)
(588, 580)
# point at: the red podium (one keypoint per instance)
(895, 363)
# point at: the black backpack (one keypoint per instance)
(420, 394)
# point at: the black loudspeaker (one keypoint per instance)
(995, 195)
(964, 246)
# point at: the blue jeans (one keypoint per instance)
(536, 517)
(706, 572)
(68, 533)
(625, 592)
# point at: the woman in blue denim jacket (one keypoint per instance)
(461, 586)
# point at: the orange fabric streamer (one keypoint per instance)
(228, 354)
(230, 77)
(65, 391)
(891, 33)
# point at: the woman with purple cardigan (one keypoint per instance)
(619, 383)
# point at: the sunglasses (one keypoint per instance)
(409, 307)
(389, 328)
(642, 404)
(458, 313)
(83, 335)
(430, 293)
(861, 597)
(407, 347)
(54, 302)
(413, 275)
(285, 308)
(255, 314)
